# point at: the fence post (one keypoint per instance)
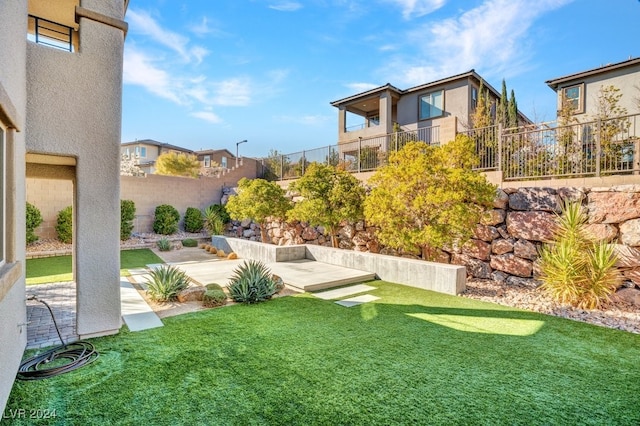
(282, 167)
(359, 152)
(303, 161)
(499, 136)
(598, 148)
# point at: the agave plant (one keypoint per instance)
(164, 244)
(575, 269)
(166, 282)
(252, 282)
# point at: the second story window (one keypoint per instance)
(207, 161)
(141, 151)
(573, 96)
(431, 105)
(474, 98)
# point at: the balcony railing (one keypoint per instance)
(43, 31)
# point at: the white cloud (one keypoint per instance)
(143, 23)
(492, 37)
(139, 70)
(201, 28)
(207, 116)
(361, 87)
(233, 92)
(286, 6)
(417, 8)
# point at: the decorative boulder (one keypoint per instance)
(192, 294)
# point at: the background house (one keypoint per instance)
(147, 151)
(215, 161)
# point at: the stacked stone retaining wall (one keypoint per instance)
(506, 242)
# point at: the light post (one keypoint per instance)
(238, 143)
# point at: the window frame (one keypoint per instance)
(421, 116)
(223, 162)
(580, 101)
(207, 161)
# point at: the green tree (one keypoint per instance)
(258, 199)
(435, 201)
(330, 195)
(612, 127)
(177, 164)
(502, 109)
(33, 220)
(272, 165)
(481, 116)
(512, 111)
(127, 215)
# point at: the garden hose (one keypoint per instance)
(63, 358)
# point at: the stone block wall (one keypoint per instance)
(506, 242)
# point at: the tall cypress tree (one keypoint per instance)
(481, 117)
(512, 111)
(502, 111)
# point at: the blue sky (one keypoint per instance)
(206, 74)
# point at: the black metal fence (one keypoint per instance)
(43, 31)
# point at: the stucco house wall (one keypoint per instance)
(74, 108)
(13, 331)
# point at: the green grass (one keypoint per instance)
(58, 268)
(412, 357)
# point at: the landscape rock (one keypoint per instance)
(512, 265)
(628, 295)
(572, 195)
(486, 233)
(245, 223)
(602, 231)
(493, 217)
(525, 249)
(613, 207)
(477, 249)
(630, 232)
(192, 294)
(532, 225)
(502, 199)
(502, 246)
(628, 257)
(475, 268)
(523, 282)
(545, 199)
(309, 233)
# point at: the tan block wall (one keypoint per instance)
(50, 196)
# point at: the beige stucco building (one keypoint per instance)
(581, 89)
(147, 151)
(60, 118)
(436, 110)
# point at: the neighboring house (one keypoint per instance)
(436, 110)
(147, 151)
(581, 89)
(214, 161)
(60, 118)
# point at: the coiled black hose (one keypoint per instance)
(63, 358)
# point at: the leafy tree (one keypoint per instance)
(258, 199)
(611, 126)
(177, 164)
(436, 198)
(33, 220)
(329, 196)
(64, 225)
(127, 215)
(193, 220)
(481, 116)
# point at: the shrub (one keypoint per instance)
(165, 282)
(251, 282)
(221, 211)
(232, 256)
(214, 298)
(213, 223)
(213, 286)
(193, 220)
(64, 225)
(219, 252)
(190, 242)
(127, 214)
(34, 219)
(165, 220)
(163, 244)
(576, 269)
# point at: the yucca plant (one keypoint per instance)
(251, 283)
(576, 269)
(213, 223)
(165, 282)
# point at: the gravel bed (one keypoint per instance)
(617, 314)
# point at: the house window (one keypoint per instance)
(3, 185)
(207, 161)
(141, 151)
(474, 98)
(431, 105)
(223, 162)
(127, 152)
(573, 96)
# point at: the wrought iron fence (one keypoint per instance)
(537, 151)
(49, 33)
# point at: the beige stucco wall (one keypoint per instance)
(74, 108)
(13, 332)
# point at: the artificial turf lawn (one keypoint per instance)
(412, 357)
(57, 269)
